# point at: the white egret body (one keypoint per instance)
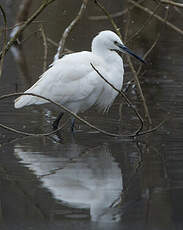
(72, 82)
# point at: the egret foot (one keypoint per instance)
(57, 120)
(72, 124)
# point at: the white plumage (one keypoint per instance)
(72, 82)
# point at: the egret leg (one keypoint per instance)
(72, 124)
(57, 120)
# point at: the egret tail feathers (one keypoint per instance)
(26, 100)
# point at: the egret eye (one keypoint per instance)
(115, 42)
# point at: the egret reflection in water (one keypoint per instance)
(88, 179)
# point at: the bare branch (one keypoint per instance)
(148, 52)
(4, 39)
(124, 96)
(63, 108)
(16, 48)
(24, 26)
(45, 48)
(114, 15)
(145, 9)
(140, 89)
(69, 29)
(74, 115)
(109, 17)
(144, 24)
(23, 11)
(171, 3)
(131, 66)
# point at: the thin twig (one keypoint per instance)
(4, 39)
(140, 89)
(69, 29)
(153, 129)
(148, 52)
(124, 96)
(131, 65)
(139, 30)
(24, 26)
(127, 26)
(63, 108)
(23, 12)
(145, 9)
(171, 3)
(52, 42)
(45, 48)
(109, 17)
(74, 115)
(144, 57)
(104, 17)
(114, 15)
(178, 10)
(17, 49)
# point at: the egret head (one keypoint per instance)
(111, 41)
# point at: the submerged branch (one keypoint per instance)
(60, 106)
(74, 115)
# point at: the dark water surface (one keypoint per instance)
(92, 181)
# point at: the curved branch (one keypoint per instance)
(76, 116)
(125, 97)
(4, 39)
(60, 106)
(24, 26)
(145, 9)
(109, 17)
(69, 29)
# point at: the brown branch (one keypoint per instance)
(69, 29)
(109, 17)
(145, 9)
(125, 97)
(144, 24)
(17, 49)
(127, 26)
(24, 26)
(131, 66)
(4, 39)
(23, 11)
(63, 108)
(74, 115)
(140, 89)
(148, 52)
(104, 17)
(171, 3)
(114, 15)
(45, 48)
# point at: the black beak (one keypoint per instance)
(126, 50)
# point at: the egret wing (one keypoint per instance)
(70, 79)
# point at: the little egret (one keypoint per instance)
(72, 82)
